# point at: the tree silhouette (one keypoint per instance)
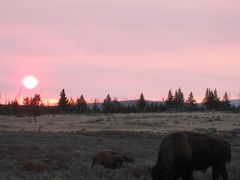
(152, 107)
(95, 108)
(71, 102)
(211, 100)
(15, 107)
(216, 98)
(191, 102)
(226, 102)
(26, 101)
(81, 105)
(107, 104)
(63, 101)
(179, 97)
(170, 99)
(34, 106)
(117, 107)
(141, 103)
(71, 105)
(206, 97)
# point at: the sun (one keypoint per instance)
(30, 82)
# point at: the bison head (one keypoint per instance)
(161, 172)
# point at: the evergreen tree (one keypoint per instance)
(117, 107)
(156, 107)
(141, 103)
(63, 101)
(211, 100)
(170, 99)
(15, 107)
(191, 102)
(179, 98)
(216, 98)
(205, 100)
(71, 102)
(81, 104)
(95, 108)
(71, 105)
(34, 106)
(26, 101)
(107, 104)
(226, 102)
(175, 98)
(152, 107)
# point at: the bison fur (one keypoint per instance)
(111, 159)
(182, 153)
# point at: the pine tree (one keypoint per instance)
(71, 102)
(63, 101)
(15, 107)
(170, 99)
(26, 101)
(107, 104)
(81, 105)
(226, 98)
(216, 98)
(34, 106)
(95, 108)
(226, 102)
(152, 107)
(175, 98)
(190, 100)
(205, 100)
(117, 107)
(141, 103)
(211, 99)
(71, 105)
(178, 99)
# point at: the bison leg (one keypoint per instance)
(119, 163)
(224, 173)
(215, 173)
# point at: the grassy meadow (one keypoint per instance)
(61, 147)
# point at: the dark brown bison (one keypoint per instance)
(181, 153)
(110, 159)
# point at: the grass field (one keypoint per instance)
(62, 146)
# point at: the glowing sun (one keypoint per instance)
(30, 82)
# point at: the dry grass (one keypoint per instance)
(62, 154)
(157, 122)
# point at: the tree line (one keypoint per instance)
(33, 106)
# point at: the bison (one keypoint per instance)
(181, 153)
(111, 160)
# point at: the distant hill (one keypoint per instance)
(235, 102)
(124, 103)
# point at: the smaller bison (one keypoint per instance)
(111, 160)
(181, 153)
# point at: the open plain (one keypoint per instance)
(62, 146)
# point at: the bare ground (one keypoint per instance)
(62, 146)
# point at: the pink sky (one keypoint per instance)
(120, 47)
